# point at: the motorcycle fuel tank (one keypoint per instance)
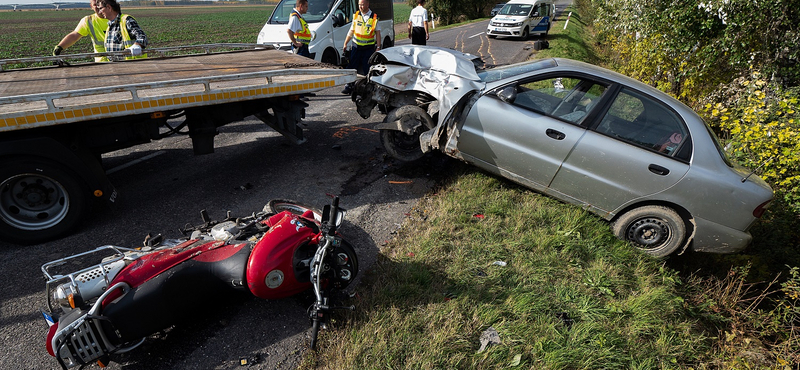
(271, 270)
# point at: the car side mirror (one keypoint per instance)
(535, 14)
(508, 94)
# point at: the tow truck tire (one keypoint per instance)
(39, 200)
(399, 144)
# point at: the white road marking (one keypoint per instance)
(135, 161)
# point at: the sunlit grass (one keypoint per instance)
(549, 277)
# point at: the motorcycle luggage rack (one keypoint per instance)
(85, 339)
(116, 254)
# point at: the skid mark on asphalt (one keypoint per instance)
(344, 131)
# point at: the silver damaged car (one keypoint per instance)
(577, 132)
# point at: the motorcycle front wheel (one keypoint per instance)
(280, 205)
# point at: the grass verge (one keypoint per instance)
(550, 278)
(481, 254)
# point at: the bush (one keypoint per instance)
(760, 122)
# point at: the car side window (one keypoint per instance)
(641, 121)
(567, 98)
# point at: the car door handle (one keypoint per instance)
(658, 170)
(558, 135)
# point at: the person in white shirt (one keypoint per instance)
(418, 24)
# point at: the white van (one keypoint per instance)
(522, 18)
(329, 21)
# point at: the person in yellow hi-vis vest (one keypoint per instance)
(123, 31)
(91, 25)
(367, 35)
(299, 34)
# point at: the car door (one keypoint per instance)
(639, 147)
(540, 23)
(525, 130)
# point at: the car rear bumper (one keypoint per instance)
(715, 238)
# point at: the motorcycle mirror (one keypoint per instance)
(337, 215)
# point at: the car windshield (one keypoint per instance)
(317, 11)
(499, 73)
(516, 9)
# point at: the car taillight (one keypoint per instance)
(761, 209)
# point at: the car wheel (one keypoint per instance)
(399, 144)
(39, 200)
(656, 230)
(524, 35)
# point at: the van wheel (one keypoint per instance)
(387, 43)
(525, 34)
(330, 57)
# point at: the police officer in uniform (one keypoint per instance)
(299, 34)
(367, 35)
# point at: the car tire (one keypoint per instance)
(525, 34)
(39, 200)
(400, 145)
(656, 230)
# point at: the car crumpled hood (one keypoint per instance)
(445, 74)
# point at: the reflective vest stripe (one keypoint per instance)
(126, 37)
(304, 35)
(364, 33)
(95, 41)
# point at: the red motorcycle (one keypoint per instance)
(113, 305)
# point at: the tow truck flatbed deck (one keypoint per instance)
(47, 96)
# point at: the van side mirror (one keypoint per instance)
(535, 14)
(338, 20)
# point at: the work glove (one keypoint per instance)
(136, 50)
(57, 50)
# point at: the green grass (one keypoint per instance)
(436, 288)
(35, 33)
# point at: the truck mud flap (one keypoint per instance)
(285, 118)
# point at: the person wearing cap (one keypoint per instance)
(366, 33)
(91, 25)
(123, 31)
(299, 34)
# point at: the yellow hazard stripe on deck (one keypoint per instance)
(164, 102)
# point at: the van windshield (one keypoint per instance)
(516, 9)
(317, 11)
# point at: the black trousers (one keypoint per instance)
(418, 36)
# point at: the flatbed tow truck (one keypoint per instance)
(56, 121)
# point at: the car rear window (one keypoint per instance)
(642, 121)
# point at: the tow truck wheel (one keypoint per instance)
(399, 144)
(39, 200)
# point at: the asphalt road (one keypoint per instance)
(163, 186)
